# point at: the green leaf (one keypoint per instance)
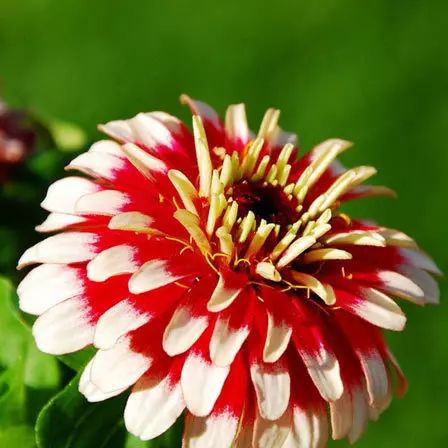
(18, 436)
(78, 360)
(41, 371)
(69, 421)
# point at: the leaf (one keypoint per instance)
(18, 436)
(28, 378)
(78, 360)
(16, 342)
(69, 421)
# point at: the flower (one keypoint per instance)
(215, 274)
(17, 139)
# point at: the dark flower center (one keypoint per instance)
(266, 202)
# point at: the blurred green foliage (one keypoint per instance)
(374, 72)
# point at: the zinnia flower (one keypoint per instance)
(216, 276)
(17, 140)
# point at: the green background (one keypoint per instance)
(374, 72)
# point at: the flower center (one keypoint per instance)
(266, 201)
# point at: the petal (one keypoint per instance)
(59, 221)
(360, 414)
(107, 147)
(376, 308)
(341, 414)
(201, 382)
(63, 194)
(419, 259)
(92, 393)
(272, 386)
(105, 202)
(271, 433)
(117, 321)
(153, 406)
(424, 281)
(229, 286)
(111, 262)
(118, 367)
(277, 338)
(64, 328)
(68, 247)
(47, 285)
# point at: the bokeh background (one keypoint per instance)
(374, 72)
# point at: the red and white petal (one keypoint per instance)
(229, 286)
(317, 354)
(60, 221)
(277, 338)
(63, 194)
(113, 261)
(272, 387)
(202, 382)
(122, 318)
(118, 367)
(402, 383)
(219, 429)
(105, 202)
(154, 406)
(375, 307)
(99, 165)
(152, 275)
(107, 147)
(47, 285)
(424, 281)
(68, 247)
(237, 130)
(64, 328)
(92, 393)
(209, 116)
(183, 330)
(271, 433)
(419, 259)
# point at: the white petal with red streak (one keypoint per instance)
(69, 247)
(202, 109)
(149, 131)
(377, 380)
(58, 221)
(116, 322)
(217, 431)
(323, 368)
(97, 165)
(226, 342)
(105, 202)
(309, 429)
(277, 339)
(107, 147)
(47, 285)
(271, 433)
(92, 393)
(379, 309)
(420, 260)
(202, 383)
(222, 296)
(236, 123)
(183, 330)
(133, 221)
(64, 328)
(272, 388)
(118, 367)
(153, 274)
(425, 281)
(111, 262)
(401, 286)
(153, 407)
(63, 194)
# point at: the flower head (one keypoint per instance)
(215, 275)
(16, 139)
